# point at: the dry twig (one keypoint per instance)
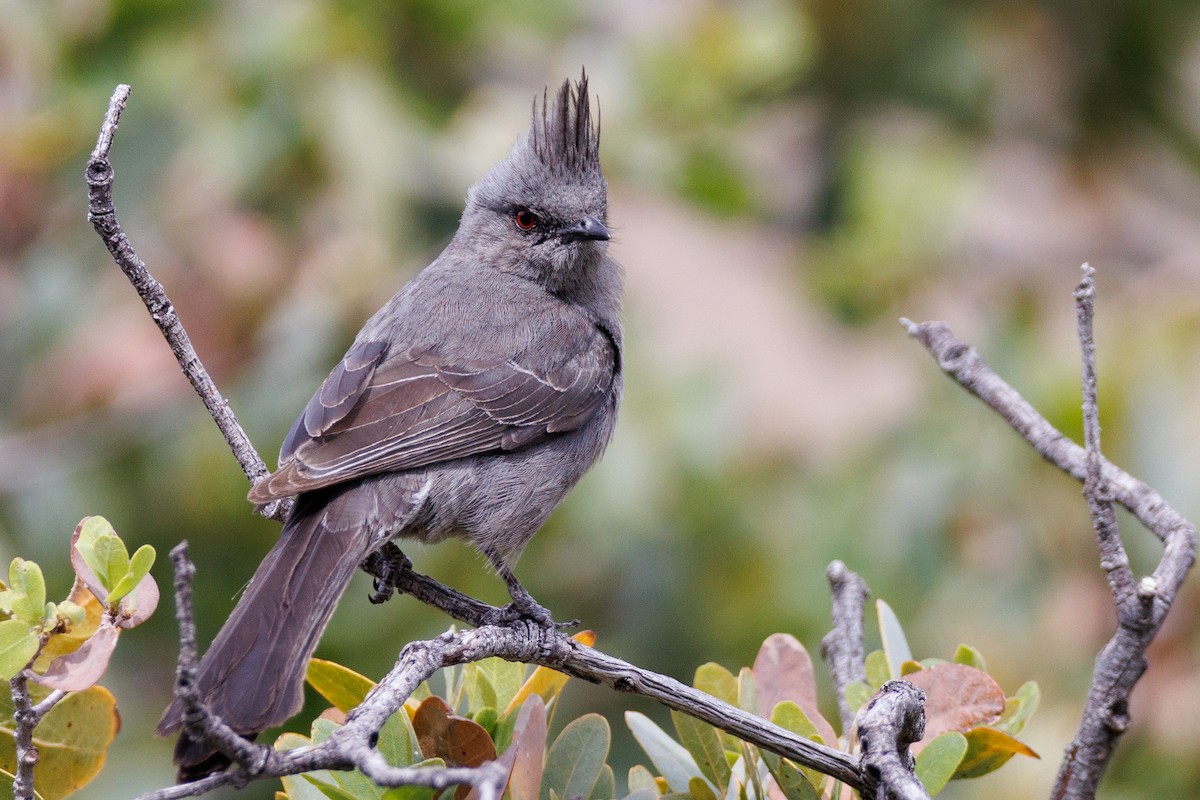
(1142, 606)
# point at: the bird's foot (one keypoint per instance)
(523, 607)
(385, 565)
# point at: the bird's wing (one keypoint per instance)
(384, 411)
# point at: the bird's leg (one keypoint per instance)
(385, 565)
(523, 606)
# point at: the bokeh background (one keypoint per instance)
(787, 179)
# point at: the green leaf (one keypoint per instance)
(29, 591)
(790, 716)
(641, 779)
(575, 760)
(939, 760)
(301, 787)
(73, 740)
(330, 791)
(671, 759)
(965, 654)
(987, 750)
(747, 692)
(1018, 709)
(604, 788)
(138, 568)
(18, 645)
(895, 644)
(714, 679)
(703, 742)
(480, 692)
(878, 672)
(791, 780)
(505, 679)
(909, 667)
(398, 742)
(344, 688)
(857, 695)
(103, 551)
(700, 789)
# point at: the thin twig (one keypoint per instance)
(842, 648)
(103, 215)
(1141, 610)
(1099, 501)
(27, 753)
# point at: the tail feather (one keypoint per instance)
(252, 676)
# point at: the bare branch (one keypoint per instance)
(103, 215)
(888, 725)
(27, 752)
(1099, 501)
(842, 648)
(1141, 610)
(526, 642)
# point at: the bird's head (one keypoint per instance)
(542, 212)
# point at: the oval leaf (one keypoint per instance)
(957, 698)
(73, 740)
(18, 646)
(341, 686)
(895, 644)
(783, 670)
(576, 759)
(528, 751)
(988, 750)
(938, 762)
(674, 762)
(704, 743)
(28, 591)
(82, 668)
(138, 568)
(83, 553)
(137, 606)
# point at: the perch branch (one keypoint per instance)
(102, 213)
(1141, 611)
(352, 745)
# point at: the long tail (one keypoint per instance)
(252, 676)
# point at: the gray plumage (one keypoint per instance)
(469, 405)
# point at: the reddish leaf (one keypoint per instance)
(82, 668)
(82, 570)
(457, 740)
(957, 698)
(783, 670)
(526, 754)
(137, 606)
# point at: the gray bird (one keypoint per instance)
(468, 406)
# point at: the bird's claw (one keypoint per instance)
(385, 565)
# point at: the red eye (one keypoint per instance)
(525, 219)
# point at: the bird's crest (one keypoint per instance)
(563, 136)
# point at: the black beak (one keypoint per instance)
(586, 228)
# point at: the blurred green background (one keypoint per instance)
(787, 179)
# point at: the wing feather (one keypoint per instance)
(385, 410)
